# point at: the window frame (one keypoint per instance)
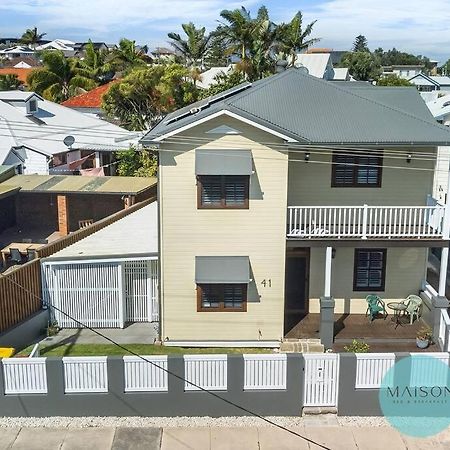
(356, 288)
(221, 307)
(223, 204)
(355, 166)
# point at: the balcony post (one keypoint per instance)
(445, 235)
(327, 305)
(364, 224)
(328, 259)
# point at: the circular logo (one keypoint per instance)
(415, 395)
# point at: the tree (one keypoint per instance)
(58, 79)
(217, 53)
(360, 44)
(145, 95)
(223, 83)
(9, 82)
(292, 38)
(445, 69)
(393, 80)
(31, 37)
(95, 65)
(128, 56)
(132, 163)
(362, 65)
(195, 47)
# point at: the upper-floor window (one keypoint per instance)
(223, 191)
(356, 170)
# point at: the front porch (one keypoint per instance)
(382, 334)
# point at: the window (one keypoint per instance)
(369, 270)
(222, 297)
(222, 191)
(58, 160)
(356, 170)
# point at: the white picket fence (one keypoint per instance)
(25, 376)
(85, 374)
(444, 331)
(421, 370)
(371, 369)
(265, 371)
(145, 376)
(205, 371)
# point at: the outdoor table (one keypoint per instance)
(397, 307)
(21, 246)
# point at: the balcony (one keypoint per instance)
(365, 222)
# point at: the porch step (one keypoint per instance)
(302, 346)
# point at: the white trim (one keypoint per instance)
(250, 344)
(95, 261)
(223, 112)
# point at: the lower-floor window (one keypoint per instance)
(222, 297)
(369, 269)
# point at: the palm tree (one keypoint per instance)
(9, 82)
(237, 31)
(128, 56)
(58, 79)
(95, 64)
(195, 47)
(292, 38)
(31, 37)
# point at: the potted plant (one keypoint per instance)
(357, 347)
(423, 337)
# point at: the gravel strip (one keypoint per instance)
(165, 422)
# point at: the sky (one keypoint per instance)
(415, 26)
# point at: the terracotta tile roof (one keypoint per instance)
(90, 99)
(21, 73)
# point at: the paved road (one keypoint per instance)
(215, 438)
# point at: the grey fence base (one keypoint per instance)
(175, 402)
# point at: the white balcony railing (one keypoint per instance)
(364, 222)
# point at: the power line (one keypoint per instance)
(131, 352)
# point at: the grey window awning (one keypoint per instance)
(222, 269)
(223, 162)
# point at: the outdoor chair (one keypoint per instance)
(375, 306)
(15, 256)
(31, 254)
(413, 304)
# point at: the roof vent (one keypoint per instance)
(194, 110)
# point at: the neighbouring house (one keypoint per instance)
(292, 197)
(162, 53)
(108, 278)
(89, 103)
(208, 77)
(41, 205)
(63, 45)
(40, 137)
(403, 70)
(26, 62)
(18, 51)
(21, 73)
(428, 83)
(320, 65)
(336, 55)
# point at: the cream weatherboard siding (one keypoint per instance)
(442, 170)
(186, 232)
(405, 270)
(310, 183)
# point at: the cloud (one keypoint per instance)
(97, 16)
(416, 26)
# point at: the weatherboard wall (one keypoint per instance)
(258, 232)
(406, 185)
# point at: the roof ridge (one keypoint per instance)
(335, 86)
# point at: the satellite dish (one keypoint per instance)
(69, 141)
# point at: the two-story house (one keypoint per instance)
(289, 195)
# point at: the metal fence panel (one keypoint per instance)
(144, 376)
(206, 371)
(371, 369)
(85, 374)
(265, 371)
(25, 376)
(321, 379)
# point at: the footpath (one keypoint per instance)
(216, 438)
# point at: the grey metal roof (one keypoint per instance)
(315, 111)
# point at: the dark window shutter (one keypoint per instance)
(211, 296)
(344, 170)
(233, 296)
(211, 190)
(370, 269)
(235, 190)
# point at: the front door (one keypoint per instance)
(296, 287)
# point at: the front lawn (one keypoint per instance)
(140, 349)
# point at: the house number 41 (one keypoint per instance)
(267, 283)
